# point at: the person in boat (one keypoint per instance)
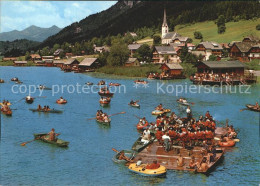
(256, 106)
(203, 166)
(61, 99)
(193, 164)
(52, 135)
(139, 162)
(39, 107)
(28, 97)
(48, 108)
(154, 165)
(189, 114)
(147, 134)
(167, 142)
(180, 161)
(44, 108)
(207, 115)
(159, 107)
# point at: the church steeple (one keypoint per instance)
(165, 28)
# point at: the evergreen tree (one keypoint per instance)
(197, 35)
(156, 40)
(221, 24)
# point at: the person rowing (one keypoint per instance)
(256, 106)
(154, 165)
(159, 107)
(122, 156)
(39, 107)
(52, 135)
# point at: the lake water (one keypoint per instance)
(87, 160)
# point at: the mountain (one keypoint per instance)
(130, 15)
(32, 33)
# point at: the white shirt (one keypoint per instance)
(166, 137)
(188, 110)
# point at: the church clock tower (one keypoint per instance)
(165, 28)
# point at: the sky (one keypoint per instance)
(18, 15)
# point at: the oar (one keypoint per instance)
(115, 150)
(137, 116)
(243, 109)
(24, 143)
(116, 114)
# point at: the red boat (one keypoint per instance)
(114, 84)
(64, 101)
(104, 101)
(229, 143)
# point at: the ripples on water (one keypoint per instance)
(87, 161)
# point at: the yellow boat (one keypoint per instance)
(158, 112)
(160, 172)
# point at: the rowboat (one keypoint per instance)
(14, 79)
(211, 165)
(252, 107)
(101, 82)
(183, 103)
(18, 82)
(44, 137)
(102, 122)
(43, 88)
(2, 81)
(141, 170)
(64, 101)
(138, 146)
(140, 126)
(104, 101)
(128, 153)
(7, 113)
(114, 84)
(141, 82)
(29, 100)
(89, 83)
(230, 143)
(106, 94)
(134, 105)
(49, 111)
(158, 112)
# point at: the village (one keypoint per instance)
(229, 59)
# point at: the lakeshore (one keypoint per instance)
(96, 140)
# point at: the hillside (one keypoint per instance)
(32, 33)
(235, 31)
(121, 17)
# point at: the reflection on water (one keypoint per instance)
(88, 158)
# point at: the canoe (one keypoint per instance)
(134, 105)
(128, 153)
(186, 104)
(252, 107)
(141, 170)
(140, 127)
(30, 101)
(50, 111)
(211, 165)
(7, 113)
(138, 146)
(106, 94)
(44, 137)
(230, 143)
(61, 102)
(158, 112)
(103, 122)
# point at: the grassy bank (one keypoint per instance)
(10, 63)
(141, 71)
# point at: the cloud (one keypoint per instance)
(21, 14)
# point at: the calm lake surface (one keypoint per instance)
(87, 160)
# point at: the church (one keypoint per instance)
(171, 37)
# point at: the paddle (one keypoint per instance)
(115, 150)
(137, 116)
(243, 109)
(125, 158)
(108, 115)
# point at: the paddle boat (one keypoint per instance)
(142, 170)
(45, 138)
(29, 99)
(253, 108)
(128, 153)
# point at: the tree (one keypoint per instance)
(128, 38)
(119, 53)
(184, 52)
(45, 51)
(55, 47)
(257, 27)
(189, 40)
(144, 53)
(27, 56)
(156, 40)
(197, 35)
(212, 58)
(102, 58)
(221, 24)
